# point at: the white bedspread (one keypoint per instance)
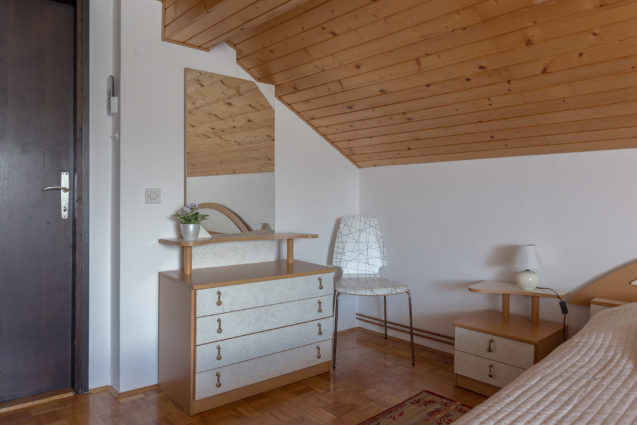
(590, 379)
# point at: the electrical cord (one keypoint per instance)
(563, 307)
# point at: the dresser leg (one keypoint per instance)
(411, 330)
(385, 304)
(336, 296)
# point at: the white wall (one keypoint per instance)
(315, 185)
(152, 85)
(152, 156)
(100, 174)
(451, 224)
(249, 195)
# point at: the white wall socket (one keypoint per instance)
(152, 195)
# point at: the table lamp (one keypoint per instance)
(526, 262)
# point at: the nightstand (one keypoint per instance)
(493, 347)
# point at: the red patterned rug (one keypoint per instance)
(425, 408)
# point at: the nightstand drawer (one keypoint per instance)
(485, 370)
(492, 347)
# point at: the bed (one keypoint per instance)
(590, 379)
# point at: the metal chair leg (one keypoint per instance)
(385, 302)
(411, 330)
(336, 295)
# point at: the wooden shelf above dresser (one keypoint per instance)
(238, 237)
(235, 237)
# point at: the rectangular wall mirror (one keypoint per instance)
(229, 150)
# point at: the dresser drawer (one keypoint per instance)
(485, 370)
(243, 322)
(239, 297)
(235, 350)
(492, 347)
(217, 381)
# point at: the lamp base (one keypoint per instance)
(527, 280)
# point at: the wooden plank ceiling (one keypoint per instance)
(229, 126)
(409, 81)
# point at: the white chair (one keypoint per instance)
(359, 253)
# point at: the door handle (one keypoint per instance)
(63, 189)
(64, 194)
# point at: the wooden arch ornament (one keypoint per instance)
(233, 216)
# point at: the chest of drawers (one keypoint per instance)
(226, 333)
(492, 350)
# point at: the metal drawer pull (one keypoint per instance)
(218, 352)
(320, 283)
(490, 347)
(318, 352)
(218, 297)
(320, 330)
(219, 330)
(320, 309)
(490, 371)
(218, 379)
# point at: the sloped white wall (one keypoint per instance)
(315, 185)
(451, 224)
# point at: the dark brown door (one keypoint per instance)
(36, 244)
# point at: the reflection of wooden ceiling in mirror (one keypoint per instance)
(229, 126)
(407, 81)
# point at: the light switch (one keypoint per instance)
(152, 195)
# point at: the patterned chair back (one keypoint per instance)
(359, 248)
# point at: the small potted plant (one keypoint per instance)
(190, 218)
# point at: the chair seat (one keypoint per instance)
(369, 286)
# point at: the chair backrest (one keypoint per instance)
(359, 248)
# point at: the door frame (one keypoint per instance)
(80, 348)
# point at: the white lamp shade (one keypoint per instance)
(527, 258)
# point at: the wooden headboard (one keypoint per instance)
(616, 285)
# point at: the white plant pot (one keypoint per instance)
(189, 232)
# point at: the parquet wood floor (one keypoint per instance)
(372, 374)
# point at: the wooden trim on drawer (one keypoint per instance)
(215, 277)
(476, 386)
(197, 406)
(518, 328)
